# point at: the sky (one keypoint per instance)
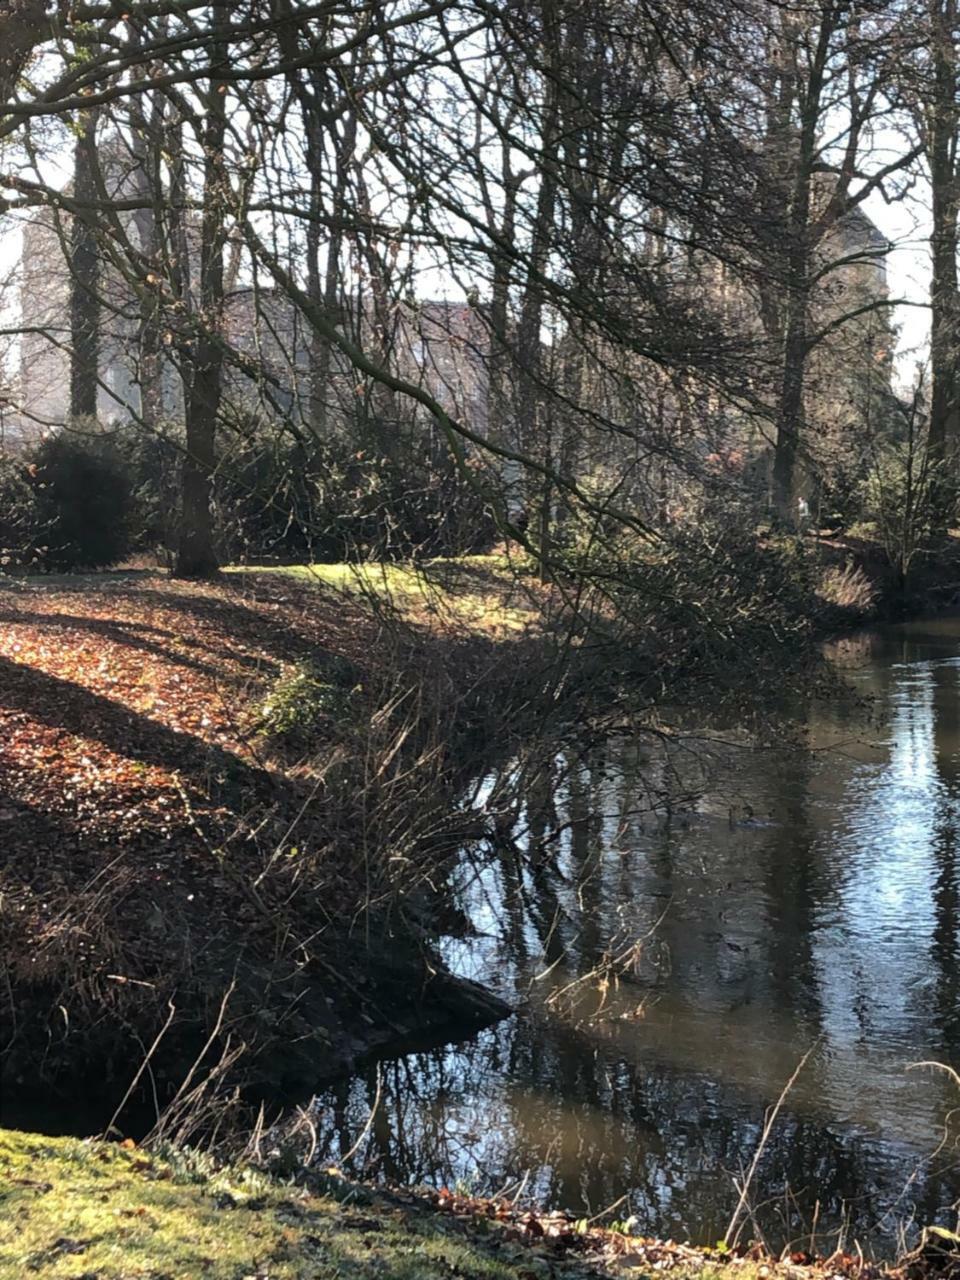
(905, 223)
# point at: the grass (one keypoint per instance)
(481, 592)
(86, 1209)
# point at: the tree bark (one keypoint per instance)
(325, 288)
(196, 556)
(791, 406)
(84, 278)
(146, 133)
(533, 422)
(943, 128)
(790, 409)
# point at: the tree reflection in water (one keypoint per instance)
(804, 897)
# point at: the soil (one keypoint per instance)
(159, 854)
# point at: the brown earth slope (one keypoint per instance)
(156, 850)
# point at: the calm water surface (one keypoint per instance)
(807, 900)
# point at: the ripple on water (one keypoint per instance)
(810, 900)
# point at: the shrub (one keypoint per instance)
(848, 590)
(84, 501)
(265, 500)
(304, 699)
(710, 601)
(283, 498)
(900, 499)
(20, 521)
(153, 460)
(275, 496)
(733, 590)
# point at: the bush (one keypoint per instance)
(84, 500)
(278, 497)
(847, 591)
(281, 498)
(900, 500)
(265, 500)
(20, 521)
(712, 599)
(154, 461)
(304, 699)
(735, 591)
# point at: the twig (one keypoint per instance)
(938, 1066)
(304, 1120)
(135, 982)
(143, 1066)
(370, 1118)
(253, 1143)
(769, 1122)
(158, 1128)
(609, 1209)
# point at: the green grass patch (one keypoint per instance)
(83, 1209)
(481, 592)
(87, 1210)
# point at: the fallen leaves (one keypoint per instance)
(111, 699)
(124, 766)
(146, 834)
(556, 1236)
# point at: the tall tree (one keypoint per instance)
(84, 274)
(147, 116)
(203, 365)
(940, 130)
(825, 89)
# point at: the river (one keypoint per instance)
(807, 903)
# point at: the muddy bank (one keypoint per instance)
(278, 1045)
(179, 886)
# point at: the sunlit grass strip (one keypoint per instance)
(73, 1208)
(441, 588)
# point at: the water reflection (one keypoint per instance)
(809, 898)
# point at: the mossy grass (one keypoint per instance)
(70, 1208)
(89, 1210)
(484, 593)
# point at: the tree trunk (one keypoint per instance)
(196, 557)
(791, 405)
(149, 345)
(532, 420)
(325, 289)
(84, 278)
(147, 134)
(944, 119)
(796, 169)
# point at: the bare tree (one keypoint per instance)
(84, 274)
(934, 87)
(196, 557)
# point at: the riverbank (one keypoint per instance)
(229, 809)
(85, 1209)
(224, 809)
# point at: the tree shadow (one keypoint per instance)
(61, 704)
(465, 578)
(25, 828)
(280, 639)
(130, 635)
